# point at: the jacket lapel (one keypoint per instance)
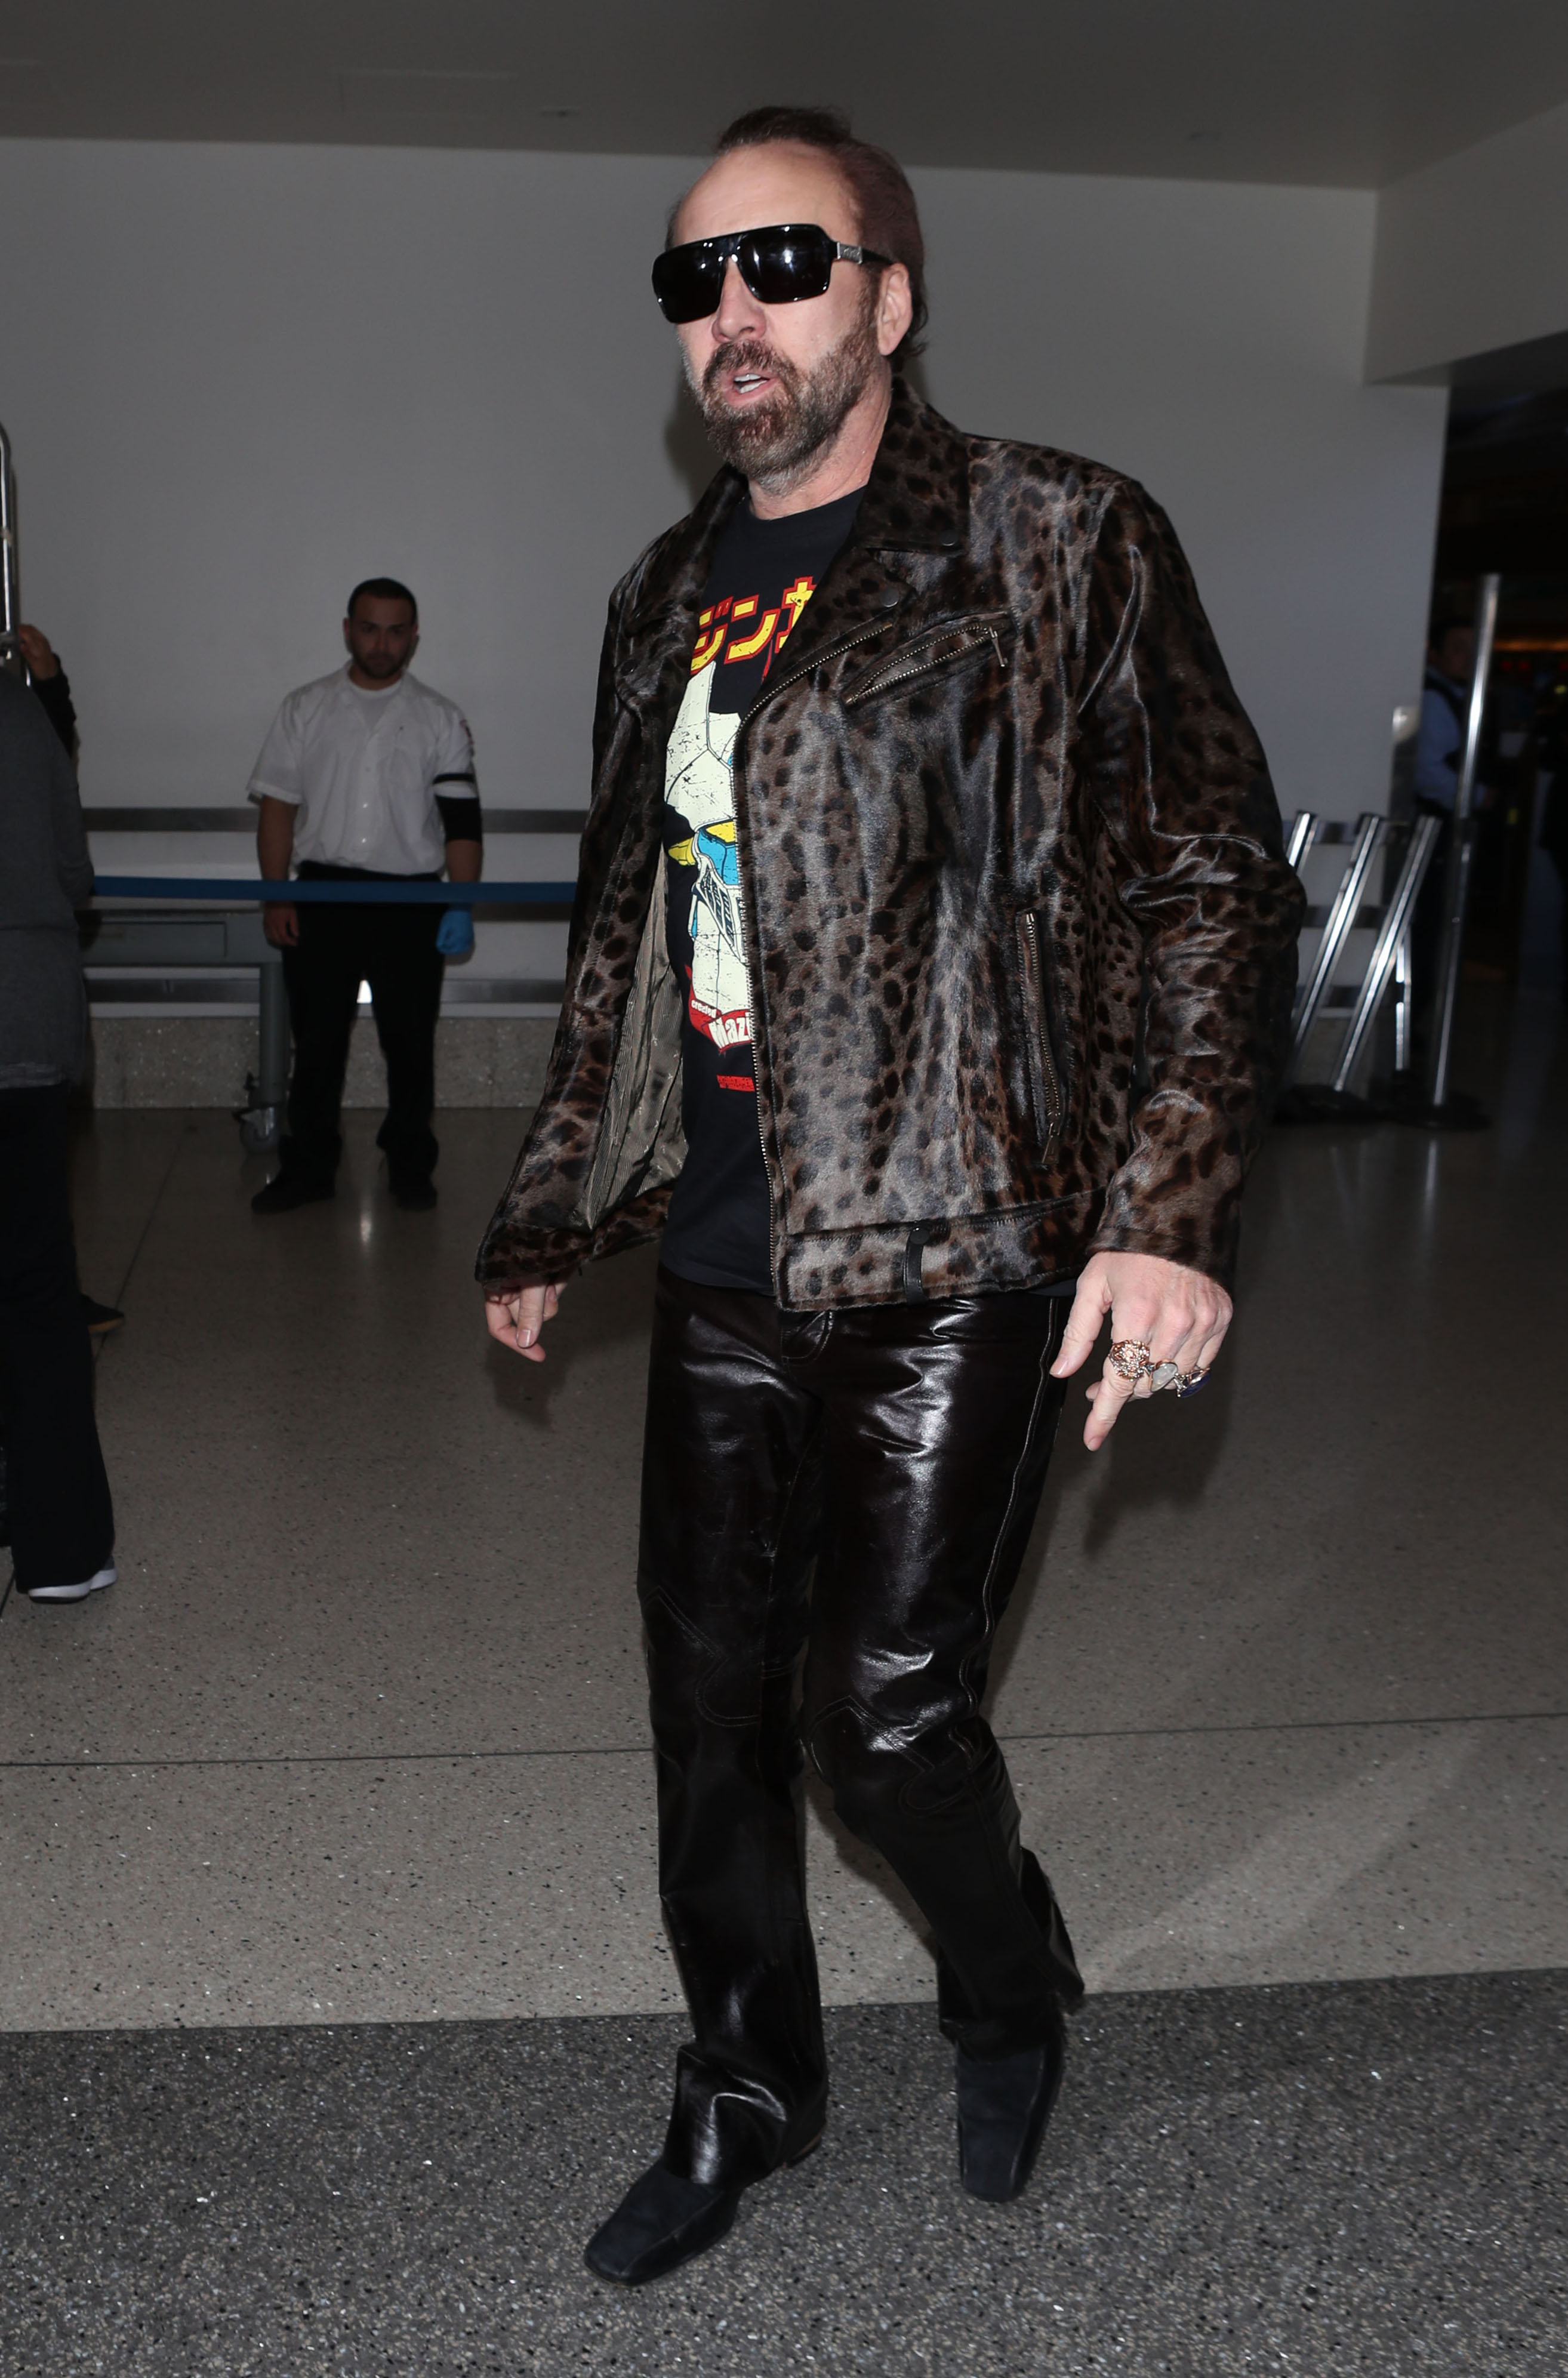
(660, 626)
(917, 501)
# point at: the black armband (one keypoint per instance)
(461, 820)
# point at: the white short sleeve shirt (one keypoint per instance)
(363, 770)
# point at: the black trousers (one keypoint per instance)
(394, 951)
(858, 1487)
(61, 1517)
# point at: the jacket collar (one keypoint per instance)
(916, 500)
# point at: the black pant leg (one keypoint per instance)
(405, 969)
(61, 1516)
(322, 973)
(939, 1427)
(727, 1534)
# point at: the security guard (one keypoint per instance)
(365, 776)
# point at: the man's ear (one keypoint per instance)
(347, 646)
(895, 309)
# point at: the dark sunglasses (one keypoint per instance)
(780, 265)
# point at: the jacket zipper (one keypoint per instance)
(831, 652)
(924, 668)
(1034, 1025)
(845, 644)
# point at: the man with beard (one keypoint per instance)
(931, 960)
(365, 775)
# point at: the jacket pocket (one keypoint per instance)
(980, 635)
(1045, 1085)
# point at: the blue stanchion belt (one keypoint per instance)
(241, 887)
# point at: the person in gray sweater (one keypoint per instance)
(61, 1517)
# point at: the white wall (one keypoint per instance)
(1208, 338)
(238, 379)
(1471, 254)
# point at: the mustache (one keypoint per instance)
(748, 354)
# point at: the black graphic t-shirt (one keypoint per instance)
(764, 574)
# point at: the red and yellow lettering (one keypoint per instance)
(796, 599)
(746, 648)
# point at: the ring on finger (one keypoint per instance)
(1130, 1360)
(1164, 1374)
(1189, 1382)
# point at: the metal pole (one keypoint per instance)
(1387, 949)
(272, 1069)
(1456, 886)
(1302, 834)
(1338, 927)
(10, 573)
(1402, 1001)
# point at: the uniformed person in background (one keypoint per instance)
(365, 776)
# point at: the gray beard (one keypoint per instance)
(775, 444)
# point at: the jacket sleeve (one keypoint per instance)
(73, 865)
(534, 1235)
(54, 700)
(1197, 857)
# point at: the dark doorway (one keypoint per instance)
(1506, 509)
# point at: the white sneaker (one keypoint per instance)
(73, 1592)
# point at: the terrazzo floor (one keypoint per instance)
(1360, 2178)
(345, 1790)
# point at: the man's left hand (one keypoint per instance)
(38, 652)
(1180, 1316)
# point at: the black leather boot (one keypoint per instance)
(661, 2222)
(1003, 2106)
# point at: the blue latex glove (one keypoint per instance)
(454, 935)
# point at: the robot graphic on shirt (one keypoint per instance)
(697, 789)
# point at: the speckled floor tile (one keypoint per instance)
(1359, 1518)
(1278, 1855)
(346, 1521)
(347, 1525)
(293, 1892)
(1361, 2178)
(120, 1166)
(379, 1890)
(352, 1531)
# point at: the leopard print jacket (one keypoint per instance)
(1021, 932)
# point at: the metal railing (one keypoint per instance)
(11, 568)
(1406, 847)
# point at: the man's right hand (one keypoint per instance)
(517, 1318)
(280, 922)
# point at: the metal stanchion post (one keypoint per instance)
(1445, 1109)
(260, 1119)
(10, 580)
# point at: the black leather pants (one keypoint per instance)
(900, 1449)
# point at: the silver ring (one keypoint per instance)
(1131, 1359)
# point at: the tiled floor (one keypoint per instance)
(1338, 2181)
(359, 1738)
